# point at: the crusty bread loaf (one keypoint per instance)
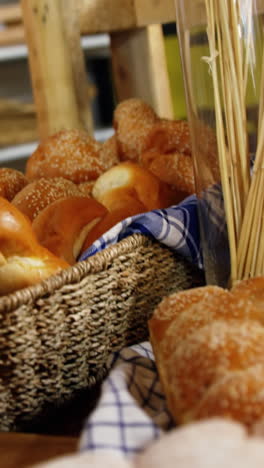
(209, 348)
(23, 261)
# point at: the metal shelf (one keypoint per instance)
(98, 43)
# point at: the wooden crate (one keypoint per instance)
(139, 68)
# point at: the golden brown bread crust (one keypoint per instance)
(172, 168)
(11, 182)
(23, 261)
(120, 208)
(42, 192)
(208, 342)
(133, 119)
(71, 154)
(160, 145)
(253, 290)
(169, 136)
(86, 188)
(109, 153)
(123, 199)
(63, 225)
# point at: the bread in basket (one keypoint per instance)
(56, 336)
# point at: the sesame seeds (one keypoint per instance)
(40, 193)
(133, 120)
(71, 154)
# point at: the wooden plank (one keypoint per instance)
(99, 16)
(71, 19)
(140, 68)
(105, 16)
(196, 16)
(10, 14)
(12, 35)
(51, 65)
(24, 450)
(154, 11)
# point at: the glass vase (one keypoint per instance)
(221, 44)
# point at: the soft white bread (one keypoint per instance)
(209, 348)
(214, 443)
(63, 225)
(23, 261)
(135, 181)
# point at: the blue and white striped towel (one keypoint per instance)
(176, 227)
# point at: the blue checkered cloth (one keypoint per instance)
(176, 227)
(132, 410)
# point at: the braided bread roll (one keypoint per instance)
(209, 348)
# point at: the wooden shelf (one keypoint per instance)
(121, 15)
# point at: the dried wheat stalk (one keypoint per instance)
(231, 43)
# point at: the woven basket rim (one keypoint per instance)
(75, 273)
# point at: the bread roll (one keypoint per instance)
(123, 198)
(169, 136)
(133, 119)
(209, 348)
(120, 208)
(109, 153)
(86, 188)
(11, 182)
(136, 182)
(71, 154)
(63, 225)
(172, 168)
(23, 261)
(42, 192)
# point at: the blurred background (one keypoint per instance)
(18, 130)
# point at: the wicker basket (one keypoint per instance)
(55, 337)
